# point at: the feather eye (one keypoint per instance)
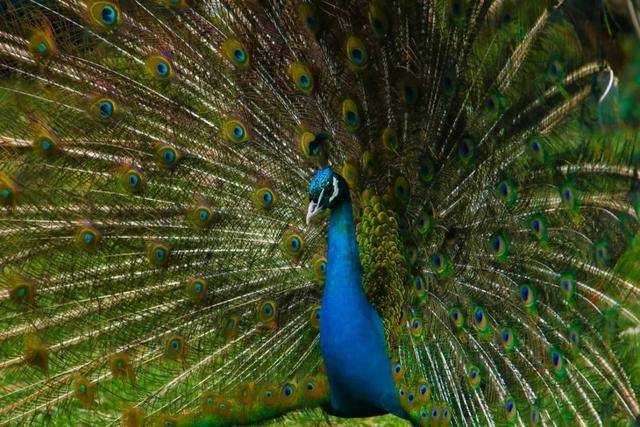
(312, 146)
(175, 347)
(268, 314)
(103, 109)
(289, 394)
(83, 390)
(158, 254)
(159, 67)
(120, 366)
(528, 296)
(201, 216)
(445, 415)
(22, 292)
(474, 376)
(209, 402)
(467, 150)
(397, 371)
(293, 244)
(480, 320)
(356, 52)
(196, 289)
(557, 362)
(314, 317)
(235, 131)
(378, 18)
(601, 253)
(499, 246)
(390, 139)
(510, 410)
(568, 285)
(350, 115)
(423, 391)
(424, 224)
(458, 10)
(507, 192)
(45, 144)
(42, 44)
(534, 419)
(575, 337)
(537, 150)
(449, 81)
(409, 91)
(8, 192)
(264, 198)
(236, 53)
(493, 105)
(457, 318)
(104, 15)
(131, 180)
(402, 189)
(351, 174)
(538, 225)
(231, 328)
(508, 339)
(427, 170)
(314, 387)
(419, 291)
(167, 155)
(88, 237)
(269, 395)
(302, 77)
(319, 263)
(416, 327)
(308, 16)
(441, 264)
(569, 197)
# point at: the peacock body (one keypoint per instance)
(167, 169)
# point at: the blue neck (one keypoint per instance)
(352, 337)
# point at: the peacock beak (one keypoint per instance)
(313, 210)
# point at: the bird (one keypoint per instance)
(220, 212)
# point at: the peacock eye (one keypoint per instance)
(109, 15)
(105, 109)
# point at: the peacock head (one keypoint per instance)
(326, 190)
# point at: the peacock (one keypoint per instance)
(219, 212)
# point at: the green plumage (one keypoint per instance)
(155, 264)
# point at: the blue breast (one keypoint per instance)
(352, 337)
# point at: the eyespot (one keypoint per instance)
(196, 289)
(457, 317)
(511, 410)
(312, 146)
(416, 327)
(175, 347)
(104, 14)
(409, 91)
(427, 171)
(131, 180)
(601, 253)
(557, 361)
(159, 67)
(45, 144)
(440, 264)
(42, 44)
(390, 139)
(357, 53)
(499, 246)
(289, 393)
(88, 238)
(537, 149)
(538, 225)
(568, 286)
(506, 192)
(308, 16)
(527, 295)
(235, 131)
(201, 216)
(264, 198)
(230, 328)
(397, 371)
(507, 338)
(83, 390)
(236, 53)
(158, 254)
(302, 77)
(424, 224)
(378, 18)
(167, 155)
(569, 197)
(319, 268)
(351, 174)
(269, 395)
(315, 317)
(8, 193)
(104, 109)
(481, 322)
(22, 292)
(474, 376)
(458, 11)
(267, 312)
(293, 244)
(423, 391)
(466, 150)
(120, 366)
(210, 401)
(350, 115)
(402, 189)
